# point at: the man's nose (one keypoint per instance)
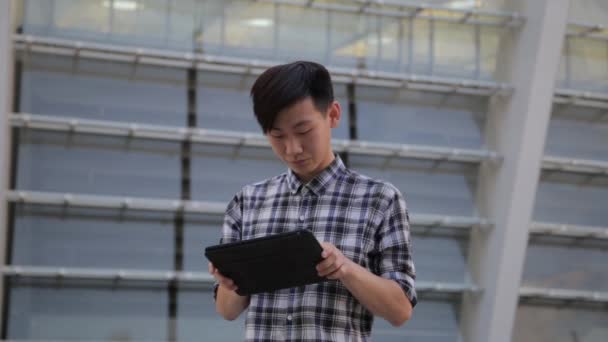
(293, 146)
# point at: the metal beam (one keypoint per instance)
(201, 207)
(585, 166)
(115, 202)
(516, 128)
(563, 295)
(401, 9)
(589, 31)
(7, 10)
(183, 277)
(581, 98)
(232, 138)
(122, 277)
(569, 230)
(106, 274)
(244, 66)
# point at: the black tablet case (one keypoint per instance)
(269, 263)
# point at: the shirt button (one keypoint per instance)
(289, 318)
(301, 217)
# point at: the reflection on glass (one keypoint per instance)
(559, 324)
(440, 257)
(92, 238)
(401, 116)
(302, 34)
(587, 64)
(88, 313)
(223, 102)
(84, 16)
(197, 319)
(553, 262)
(219, 172)
(36, 16)
(461, 4)
(347, 39)
(588, 11)
(571, 199)
(578, 132)
(200, 231)
(250, 28)
(143, 21)
(97, 90)
(447, 189)
(279, 32)
(419, 49)
(386, 44)
(454, 50)
(103, 165)
(433, 320)
(489, 47)
(340, 95)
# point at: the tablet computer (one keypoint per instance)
(269, 263)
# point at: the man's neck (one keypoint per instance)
(306, 180)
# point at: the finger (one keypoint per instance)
(330, 268)
(222, 279)
(327, 263)
(339, 271)
(327, 271)
(336, 274)
(328, 249)
(334, 268)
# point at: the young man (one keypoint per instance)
(362, 222)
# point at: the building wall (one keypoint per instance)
(66, 251)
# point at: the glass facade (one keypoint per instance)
(94, 238)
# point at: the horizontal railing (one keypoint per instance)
(569, 230)
(563, 295)
(183, 277)
(244, 66)
(574, 165)
(582, 98)
(584, 30)
(232, 138)
(200, 207)
(401, 9)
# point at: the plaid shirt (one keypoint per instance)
(365, 218)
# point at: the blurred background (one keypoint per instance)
(127, 127)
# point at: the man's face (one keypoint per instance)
(301, 137)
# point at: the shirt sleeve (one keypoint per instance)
(232, 226)
(394, 245)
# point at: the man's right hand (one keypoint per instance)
(229, 304)
(224, 281)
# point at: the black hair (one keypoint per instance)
(284, 85)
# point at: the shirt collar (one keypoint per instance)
(318, 184)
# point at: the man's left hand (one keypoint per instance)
(335, 265)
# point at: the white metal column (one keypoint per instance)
(6, 97)
(516, 128)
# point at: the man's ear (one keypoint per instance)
(334, 113)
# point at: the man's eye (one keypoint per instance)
(305, 132)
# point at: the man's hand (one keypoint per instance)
(224, 281)
(229, 304)
(335, 265)
(383, 297)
